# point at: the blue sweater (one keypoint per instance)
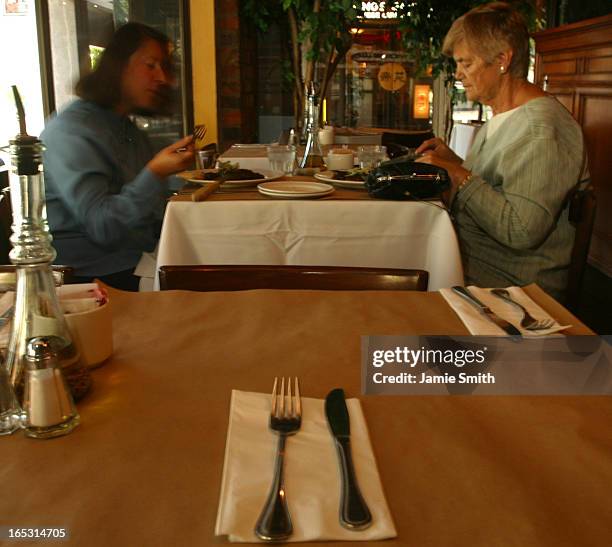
(103, 205)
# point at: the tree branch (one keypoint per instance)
(296, 55)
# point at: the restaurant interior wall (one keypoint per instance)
(204, 66)
(235, 43)
(574, 64)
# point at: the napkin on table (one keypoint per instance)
(75, 298)
(312, 473)
(477, 323)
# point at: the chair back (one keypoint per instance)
(582, 207)
(398, 142)
(237, 278)
(6, 220)
(4, 178)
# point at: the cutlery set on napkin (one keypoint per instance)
(495, 312)
(315, 494)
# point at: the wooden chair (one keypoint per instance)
(4, 177)
(398, 142)
(237, 278)
(582, 207)
(6, 219)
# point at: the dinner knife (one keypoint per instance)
(486, 311)
(354, 512)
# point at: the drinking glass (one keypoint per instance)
(206, 159)
(282, 158)
(371, 156)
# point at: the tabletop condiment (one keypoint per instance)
(313, 157)
(37, 308)
(48, 405)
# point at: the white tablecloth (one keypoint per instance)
(383, 234)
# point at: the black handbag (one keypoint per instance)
(405, 180)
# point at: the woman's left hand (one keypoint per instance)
(456, 171)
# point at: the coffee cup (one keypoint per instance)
(340, 159)
(92, 333)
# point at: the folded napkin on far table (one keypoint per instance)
(478, 323)
(312, 473)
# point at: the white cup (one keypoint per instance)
(92, 333)
(340, 159)
(326, 135)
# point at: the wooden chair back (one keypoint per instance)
(582, 208)
(237, 278)
(6, 220)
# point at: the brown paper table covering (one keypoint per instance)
(144, 467)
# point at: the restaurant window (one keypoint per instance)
(79, 31)
(378, 85)
(59, 40)
(18, 41)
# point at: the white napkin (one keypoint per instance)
(312, 473)
(478, 323)
(75, 298)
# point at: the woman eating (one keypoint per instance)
(106, 189)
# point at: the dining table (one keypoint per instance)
(344, 228)
(145, 465)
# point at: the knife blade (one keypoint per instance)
(486, 311)
(354, 512)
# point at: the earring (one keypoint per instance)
(502, 69)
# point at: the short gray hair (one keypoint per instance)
(490, 29)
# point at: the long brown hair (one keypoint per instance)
(103, 85)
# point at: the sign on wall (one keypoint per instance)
(392, 76)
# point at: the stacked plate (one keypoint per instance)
(294, 190)
(328, 176)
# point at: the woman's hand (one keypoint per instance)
(171, 160)
(456, 172)
(440, 149)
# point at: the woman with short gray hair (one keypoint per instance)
(509, 198)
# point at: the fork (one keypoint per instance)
(274, 522)
(528, 322)
(199, 132)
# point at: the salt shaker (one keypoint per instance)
(47, 403)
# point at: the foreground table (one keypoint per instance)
(144, 468)
(347, 228)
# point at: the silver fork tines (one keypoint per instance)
(274, 522)
(199, 132)
(528, 322)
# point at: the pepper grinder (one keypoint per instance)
(48, 405)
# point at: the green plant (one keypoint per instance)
(319, 31)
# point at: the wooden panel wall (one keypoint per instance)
(574, 63)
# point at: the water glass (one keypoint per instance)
(206, 159)
(371, 156)
(282, 158)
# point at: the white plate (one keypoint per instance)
(240, 145)
(295, 189)
(327, 176)
(267, 176)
